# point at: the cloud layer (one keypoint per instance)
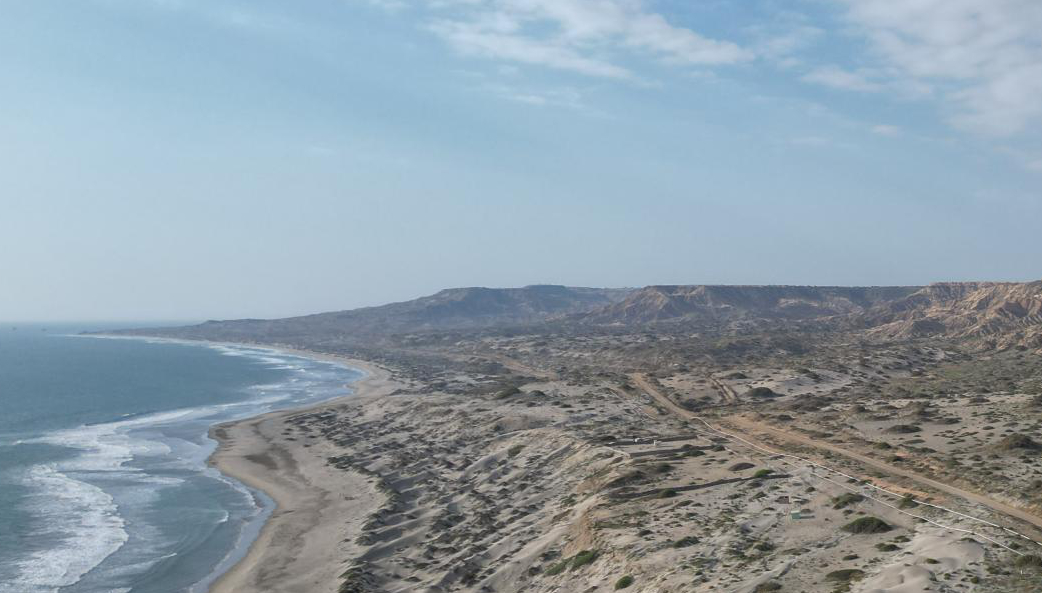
(983, 58)
(591, 37)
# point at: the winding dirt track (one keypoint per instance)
(746, 424)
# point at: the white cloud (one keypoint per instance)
(783, 38)
(585, 36)
(886, 130)
(838, 78)
(562, 97)
(984, 57)
(477, 39)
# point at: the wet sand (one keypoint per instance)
(310, 536)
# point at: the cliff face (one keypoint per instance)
(733, 303)
(1001, 313)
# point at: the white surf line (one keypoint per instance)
(870, 484)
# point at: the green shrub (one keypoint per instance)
(667, 493)
(907, 502)
(583, 558)
(556, 568)
(845, 576)
(624, 582)
(685, 542)
(508, 392)
(761, 392)
(846, 500)
(767, 587)
(867, 525)
(762, 473)
(1028, 561)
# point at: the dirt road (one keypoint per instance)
(745, 425)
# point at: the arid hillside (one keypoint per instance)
(999, 314)
(732, 303)
(448, 309)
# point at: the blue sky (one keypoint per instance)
(186, 159)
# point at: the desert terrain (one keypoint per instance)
(691, 438)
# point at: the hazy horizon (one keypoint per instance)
(144, 322)
(191, 160)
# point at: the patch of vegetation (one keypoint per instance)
(624, 582)
(667, 493)
(741, 466)
(1028, 561)
(908, 502)
(867, 525)
(556, 568)
(761, 393)
(513, 451)
(508, 392)
(763, 473)
(767, 587)
(904, 429)
(578, 561)
(846, 575)
(583, 558)
(685, 542)
(1017, 441)
(842, 502)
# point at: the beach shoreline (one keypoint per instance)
(307, 541)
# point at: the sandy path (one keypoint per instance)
(995, 505)
(309, 538)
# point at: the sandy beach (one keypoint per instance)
(320, 509)
(449, 482)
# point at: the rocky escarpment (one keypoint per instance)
(998, 314)
(732, 303)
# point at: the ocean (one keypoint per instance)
(104, 486)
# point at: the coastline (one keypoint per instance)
(307, 541)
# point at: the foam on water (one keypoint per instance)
(86, 521)
(83, 522)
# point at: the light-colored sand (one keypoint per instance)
(311, 534)
(439, 490)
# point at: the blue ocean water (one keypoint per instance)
(104, 485)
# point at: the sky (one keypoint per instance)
(197, 159)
